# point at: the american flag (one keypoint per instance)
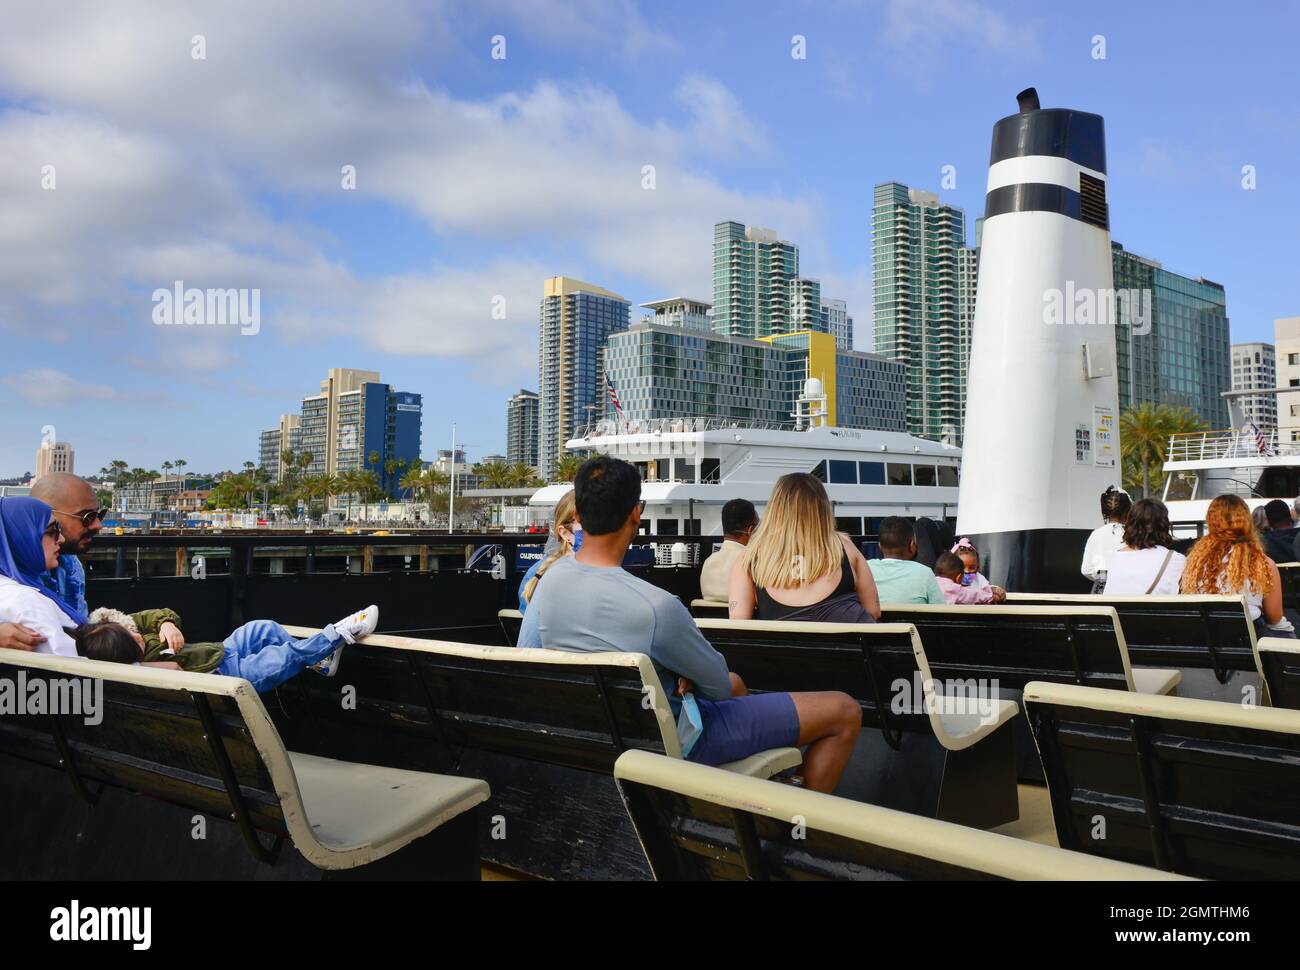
(613, 398)
(1261, 439)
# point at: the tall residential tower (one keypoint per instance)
(521, 428)
(924, 302)
(576, 320)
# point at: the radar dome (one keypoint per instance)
(812, 387)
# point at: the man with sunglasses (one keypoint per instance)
(80, 517)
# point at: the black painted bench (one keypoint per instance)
(1203, 788)
(1279, 661)
(698, 823)
(543, 727)
(968, 776)
(1209, 639)
(203, 752)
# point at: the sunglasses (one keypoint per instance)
(52, 530)
(87, 517)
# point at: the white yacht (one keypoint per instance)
(691, 467)
(1246, 460)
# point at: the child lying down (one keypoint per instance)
(261, 651)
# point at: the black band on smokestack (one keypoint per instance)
(1028, 100)
(1058, 132)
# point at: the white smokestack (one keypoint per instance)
(1042, 413)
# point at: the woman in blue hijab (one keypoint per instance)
(29, 546)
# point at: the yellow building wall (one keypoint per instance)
(821, 364)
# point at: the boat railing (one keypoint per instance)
(604, 427)
(1228, 444)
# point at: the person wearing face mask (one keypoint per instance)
(30, 540)
(566, 538)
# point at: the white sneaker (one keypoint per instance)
(351, 629)
(359, 625)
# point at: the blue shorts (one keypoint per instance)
(741, 726)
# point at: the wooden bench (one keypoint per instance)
(1210, 639)
(203, 743)
(1202, 788)
(1290, 574)
(544, 727)
(697, 823)
(968, 776)
(1279, 662)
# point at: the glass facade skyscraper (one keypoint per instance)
(753, 273)
(1182, 355)
(576, 320)
(521, 428)
(667, 372)
(924, 302)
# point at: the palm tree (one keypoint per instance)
(566, 469)
(1144, 432)
(435, 487)
(347, 481)
(522, 475)
(413, 481)
(367, 483)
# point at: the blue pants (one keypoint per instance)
(265, 655)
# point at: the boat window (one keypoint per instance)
(666, 527)
(820, 471)
(948, 476)
(873, 526)
(844, 473)
(871, 472)
(692, 527)
(924, 474)
(640, 467)
(900, 474)
(849, 524)
(709, 469)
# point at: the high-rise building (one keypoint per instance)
(1172, 345)
(1253, 369)
(576, 320)
(923, 302)
(53, 456)
(1286, 339)
(521, 428)
(680, 311)
(667, 372)
(837, 322)
(358, 423)
(272, 444)
(754, 274)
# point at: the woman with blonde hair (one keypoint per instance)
(1229, 559)
(565, 537)
(798, 567)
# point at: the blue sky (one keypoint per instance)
(478, 177)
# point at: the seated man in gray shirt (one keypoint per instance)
(589, 603)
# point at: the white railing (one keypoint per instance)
(600, 428)
(1220, 445)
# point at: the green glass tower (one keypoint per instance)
(924, 302)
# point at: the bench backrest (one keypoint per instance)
(882, 666)
(1204, 788)
(1017, 644)
(697, 823)
(199, 741)
(511, 621)
(580, 710)
(1209, 632)
(710, 609)
(1290, 575)
(1279, 663)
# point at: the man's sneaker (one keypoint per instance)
(359, 624)
(351, 629)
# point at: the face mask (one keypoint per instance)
(966, 578)
(690, 725)
(577, 538)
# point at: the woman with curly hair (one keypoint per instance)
(1230, 559)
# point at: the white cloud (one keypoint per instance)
(164, 164)
(45, 387)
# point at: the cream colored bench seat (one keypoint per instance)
(698, 823)
(205, 742)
